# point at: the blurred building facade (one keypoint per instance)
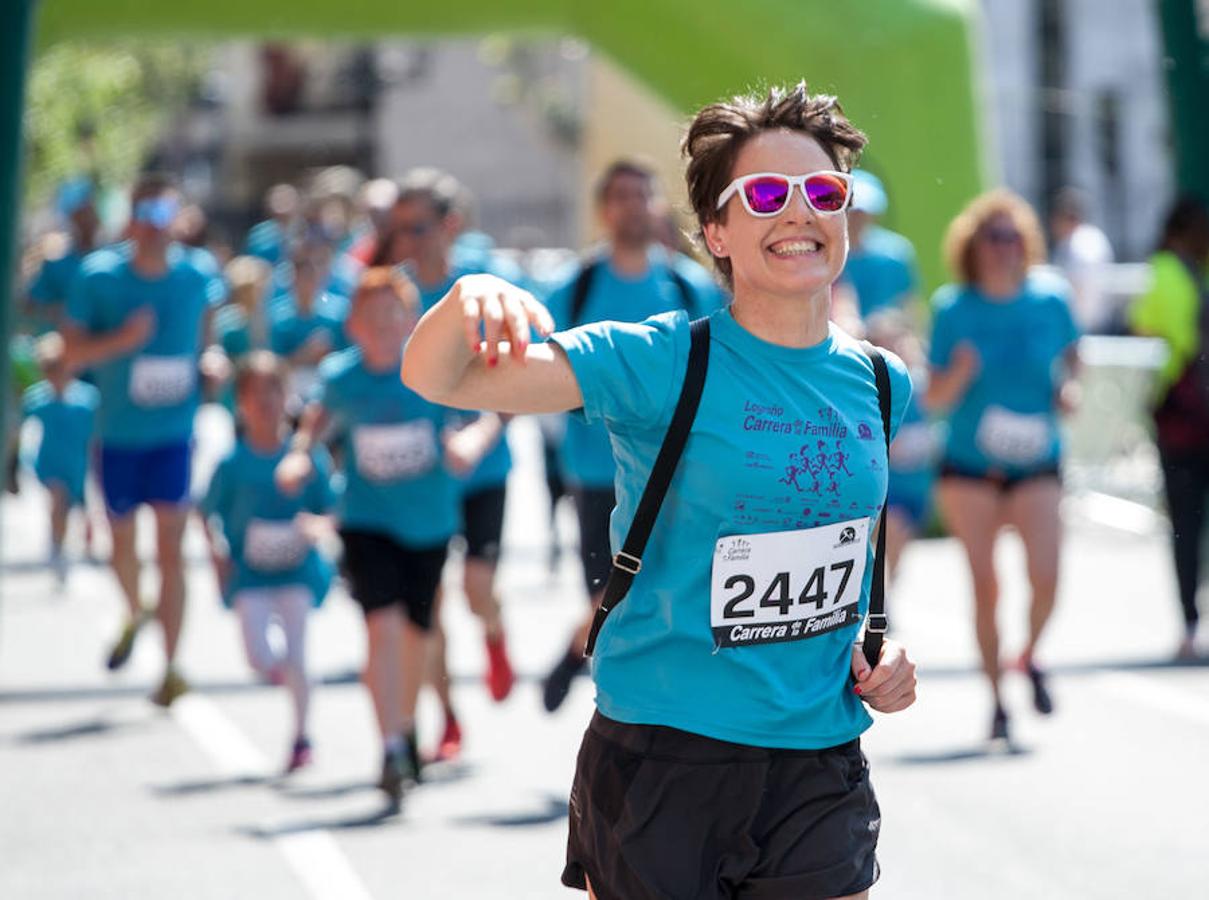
(1075, 95)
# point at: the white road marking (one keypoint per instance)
(314, 856)
(1163, 696)
(1124, 515)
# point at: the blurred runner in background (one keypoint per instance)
(630, 278)
(262, 539)
(1003, 364)
(1082, 252)
(67, 410)
(1176, 308)
(881, 263)
(139, 317)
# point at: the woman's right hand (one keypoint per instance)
(293, 471)
(494, 311)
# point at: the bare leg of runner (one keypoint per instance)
(1033, 509)
(169, 532)
(972, 511)
(125, 562)
(383, 665)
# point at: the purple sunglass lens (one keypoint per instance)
(826, 193)
(766, 195)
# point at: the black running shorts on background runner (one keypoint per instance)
(662, 813)
(382, 572)
(483, 522)
(593, 506)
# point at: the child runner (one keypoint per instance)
(399, 509)
(67, 409)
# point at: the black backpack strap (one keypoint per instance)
(876, 622)
(628, 562)
(579, 293)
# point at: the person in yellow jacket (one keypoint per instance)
(1176, 308)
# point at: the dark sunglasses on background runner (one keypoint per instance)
(766, 194)
(417, 229)
(1001, 237)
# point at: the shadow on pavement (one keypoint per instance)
(555, 810)
(209, 785)
(983, 752)
(374, 818)
(98, 726)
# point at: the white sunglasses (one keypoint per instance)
(766, 194)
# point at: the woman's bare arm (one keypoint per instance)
(447, 363)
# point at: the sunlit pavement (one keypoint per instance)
(103, 795)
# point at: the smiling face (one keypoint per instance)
(794, 254)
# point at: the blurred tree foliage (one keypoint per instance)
(98, 109)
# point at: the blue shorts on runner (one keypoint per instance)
(130, 477)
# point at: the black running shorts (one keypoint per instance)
(483, 522)
(382, 572)
(661, 813)
(593, 506)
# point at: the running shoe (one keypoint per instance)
(413, 757)
(999, 724)
(300, 755)
(396, 772)
(170, 689)
(500, 677)
(124, 646)
(450, 747)
(557, 684)
(1042, 701)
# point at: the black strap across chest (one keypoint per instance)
(583, 285)
(628, 562)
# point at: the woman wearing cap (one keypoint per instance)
(724, 755)
(1002, 368)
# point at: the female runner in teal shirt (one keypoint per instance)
(724, 758)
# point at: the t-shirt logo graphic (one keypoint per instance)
(736, 550)
(864, 432)
(817, 470)
(847, 536)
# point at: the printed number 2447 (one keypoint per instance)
(778, 595)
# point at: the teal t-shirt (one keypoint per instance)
(289, 328)
(915, 456)
(149, 397)
(268, 241)
(395, 479)
(258, 521)
(68, 422)
(492, 470)
(1007, 420)
(881, 270)
(784, 439)
(585, 456)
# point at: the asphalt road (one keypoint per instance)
(103, 795)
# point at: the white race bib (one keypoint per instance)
(1013, 438)
(162, 380)
(914, 447)
(787, 585)
(274, 546)
(394, 452)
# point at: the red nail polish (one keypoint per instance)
(857, 689)
(492, 361)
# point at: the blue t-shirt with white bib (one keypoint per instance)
(148, 397)
(785, 439)
(1007, 420)
(266, 547)
(68, 421)
(395, 478)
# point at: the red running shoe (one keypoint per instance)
(450, 747)
(500, 677)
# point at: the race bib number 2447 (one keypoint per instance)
(787, 585)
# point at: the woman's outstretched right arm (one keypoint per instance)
(472, 351)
